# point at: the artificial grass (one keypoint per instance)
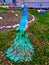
(40, 31)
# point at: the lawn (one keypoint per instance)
(40, 32)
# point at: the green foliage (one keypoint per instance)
(6, 9)
(6, 38)
(17, 10)
(46, 50)
(40, 25)
(3, 9)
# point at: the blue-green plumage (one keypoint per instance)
(21, 50)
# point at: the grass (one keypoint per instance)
(40, 31)
(3, 9)
(6, 9)
(41, 25)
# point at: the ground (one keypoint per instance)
(10, 19)
(39, 37)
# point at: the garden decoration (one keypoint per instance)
(10, 8)
(16, 14)
(1, 18)
(42, 11)
(21, 50)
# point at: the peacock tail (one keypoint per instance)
(21, 49)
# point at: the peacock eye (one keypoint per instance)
(22, 35)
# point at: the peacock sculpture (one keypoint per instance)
(21, 50)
